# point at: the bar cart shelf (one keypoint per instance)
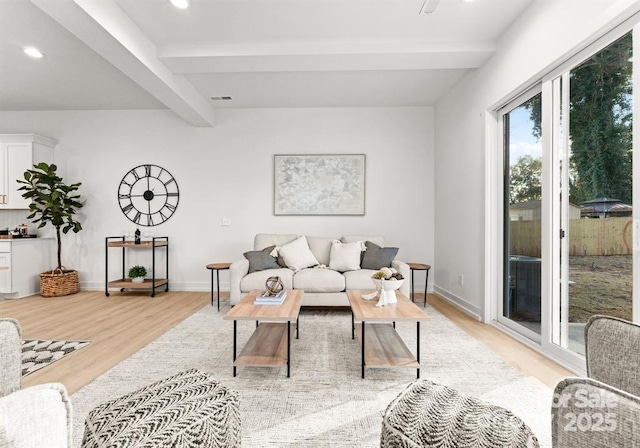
(153, 283)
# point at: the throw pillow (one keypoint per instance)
(376, 257)
(297, 254)
(345, 256)
(259, 260)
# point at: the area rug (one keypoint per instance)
(39, 353)
(325, 403)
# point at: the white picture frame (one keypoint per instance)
(319, 184)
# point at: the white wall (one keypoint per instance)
(548, 31)
(228, 171)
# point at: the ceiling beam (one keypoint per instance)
(341, 56)
(104, 27)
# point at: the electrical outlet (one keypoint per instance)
(226, 221)
(460, 280)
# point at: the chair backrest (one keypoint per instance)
(613, 352)
(588, 413)
(10, 356)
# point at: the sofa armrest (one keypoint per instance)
(36, 416)
(588, 413)
(403, 268)
(237, 271)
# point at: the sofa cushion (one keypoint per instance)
(376, 257)
(360, 279)
(345, 256)
(256, 280)
(321, 248)
(259, 260)
(297, 254)
(319, 280)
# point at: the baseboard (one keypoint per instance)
(463, 305)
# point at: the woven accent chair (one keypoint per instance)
(38, 416)
(427, 414)
(588, 413)
(613, 352)
(187, 410)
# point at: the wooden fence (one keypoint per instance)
(608, 236)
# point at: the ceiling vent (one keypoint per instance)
(221, 98)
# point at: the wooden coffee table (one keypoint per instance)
(381, 345)
(270, 343)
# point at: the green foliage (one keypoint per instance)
(52, 201)
(137, 271)
(600, 122)
(525, 180)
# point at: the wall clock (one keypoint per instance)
(148, 195)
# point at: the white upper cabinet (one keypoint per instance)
(18, 153)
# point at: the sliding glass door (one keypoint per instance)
(520, 307)
(592, 107)
(566, 214)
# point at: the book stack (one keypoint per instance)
(267, 298)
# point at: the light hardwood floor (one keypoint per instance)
(122, 324)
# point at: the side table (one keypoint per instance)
(217, 267)
(419, 267)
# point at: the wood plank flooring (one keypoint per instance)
(119, 325)
(122, 324)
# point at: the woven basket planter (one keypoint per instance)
(59, 282)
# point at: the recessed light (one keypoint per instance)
(33, 52)
(181, 4)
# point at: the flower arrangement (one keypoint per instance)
(388, 274)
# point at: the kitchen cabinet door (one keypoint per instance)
(5, 273)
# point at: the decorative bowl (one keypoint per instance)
(387, 290)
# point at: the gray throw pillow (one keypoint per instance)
(259, 260)
(376, 257)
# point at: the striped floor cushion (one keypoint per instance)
(430, 415)
(189, 409)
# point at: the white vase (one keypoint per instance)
(137, 280)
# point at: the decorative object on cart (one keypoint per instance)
(387, 281)
(148, 195)
(319, 184)
(137, 273)
(137, 236)
(53, 202)
(274, 285)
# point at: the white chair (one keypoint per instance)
(38, 416)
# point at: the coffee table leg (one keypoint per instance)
(353, 326)
(297, 328)
(413, 294)
(426, 281)
(212, 288)
(288, 349)
(235, 326)
(418, 346)
(363, 349)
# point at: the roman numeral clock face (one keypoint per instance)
(148, 195)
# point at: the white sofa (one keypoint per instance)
(322, 286)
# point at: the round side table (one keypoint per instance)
(217, 267)
(419, 267)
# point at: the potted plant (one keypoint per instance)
(53, 202)
(137, 273)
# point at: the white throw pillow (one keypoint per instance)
(297, 254)
(345, 256)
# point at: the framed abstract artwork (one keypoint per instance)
(319, 184)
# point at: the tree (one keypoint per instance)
(525, 180)
(599, 124)
(52, 201)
